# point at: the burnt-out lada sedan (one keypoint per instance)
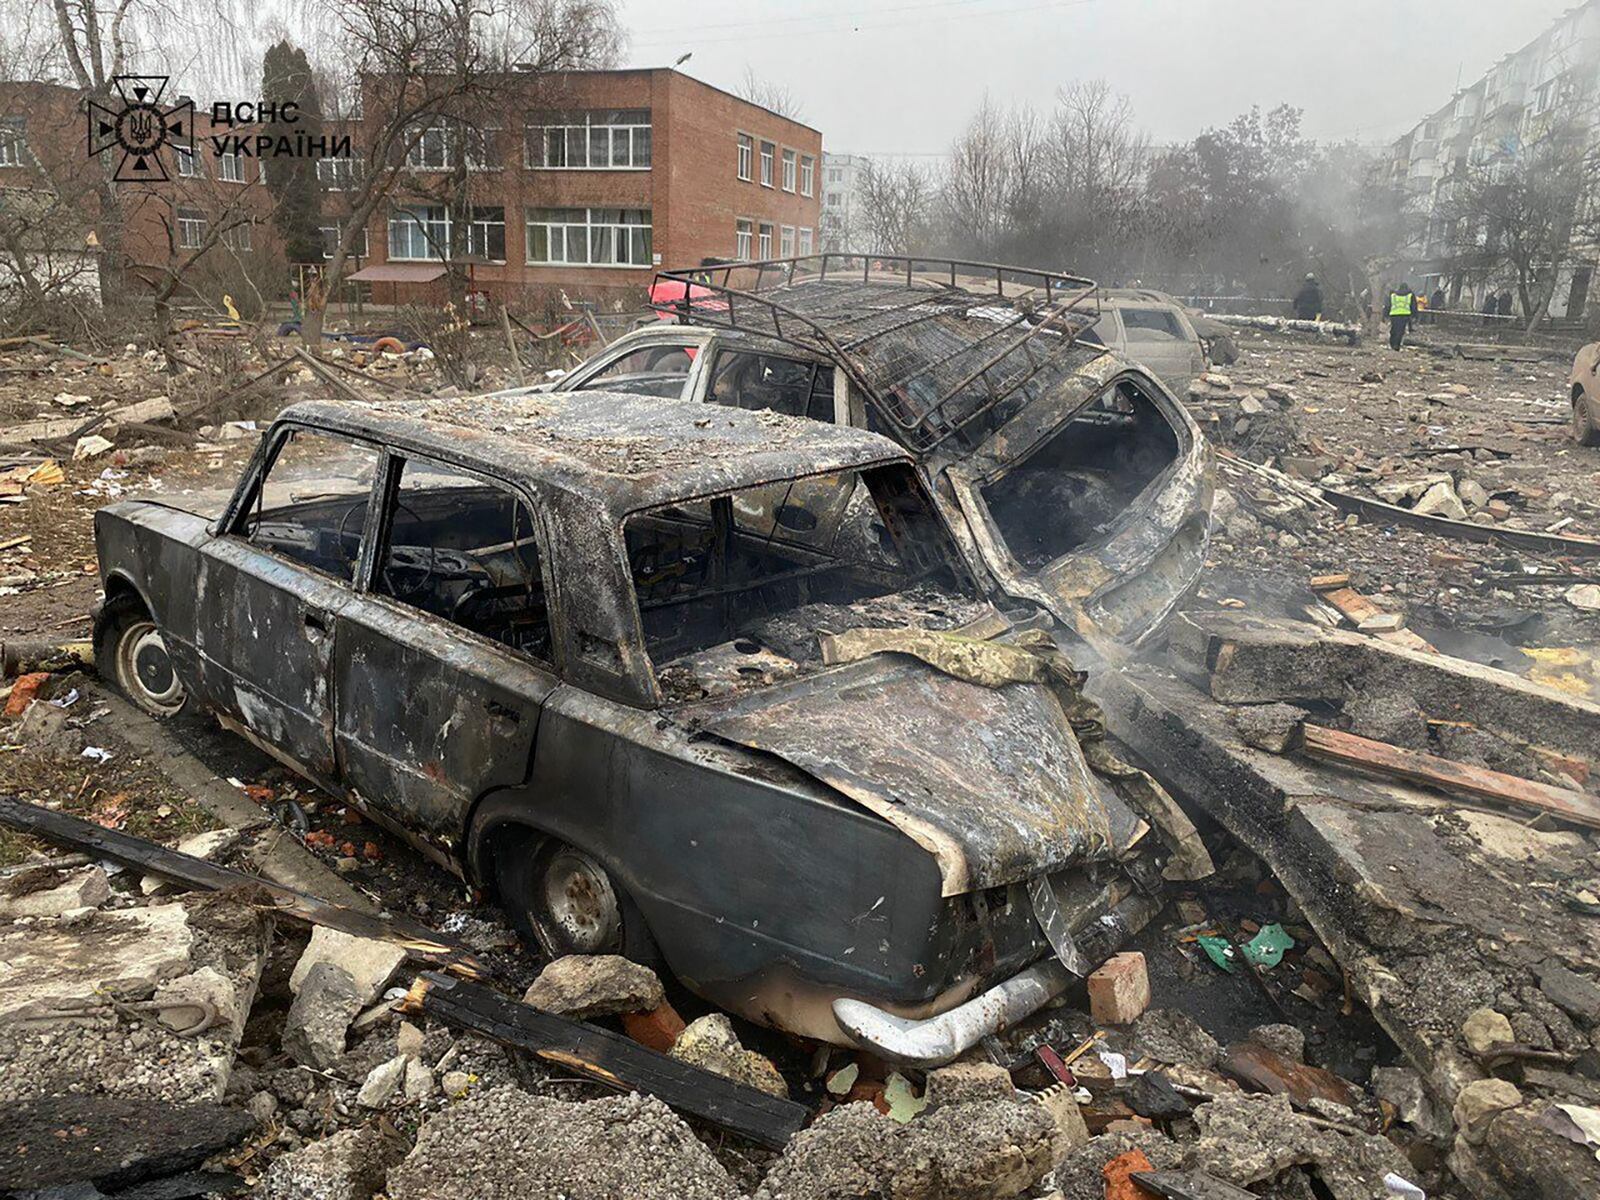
(572, 647)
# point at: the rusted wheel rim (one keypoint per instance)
(581, 902)
(144, 669)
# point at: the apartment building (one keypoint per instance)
(842, 176)
(1486, 125)
(591, 181)
(583, 181)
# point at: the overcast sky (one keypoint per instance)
(894, 76)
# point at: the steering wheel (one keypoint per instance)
(388, 575)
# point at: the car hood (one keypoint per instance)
(990, 781)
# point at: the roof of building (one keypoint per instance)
(624, 452)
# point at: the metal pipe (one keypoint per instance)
(937, 1040)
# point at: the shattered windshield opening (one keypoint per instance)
(1070, 489)
(732, 590)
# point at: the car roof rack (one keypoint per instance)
(934, 344)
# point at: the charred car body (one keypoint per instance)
(1072, 476)
(577, 648)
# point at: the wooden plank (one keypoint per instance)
(1564, 804)
(608, 1057)
(420, 943)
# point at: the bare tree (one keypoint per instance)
(980, 183)
(895, 206)
(1519, 213)
(425, 70)
(775, 97)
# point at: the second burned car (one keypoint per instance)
(622, 662)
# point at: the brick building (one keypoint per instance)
(584, 181)
(590, 180)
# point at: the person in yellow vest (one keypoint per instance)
(1402, 306)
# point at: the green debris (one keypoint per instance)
(903, 1102)
(1218, 949)
(1267, 947)
(842, 1080)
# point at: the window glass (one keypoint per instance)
(312, 506)
(467, 551)
(1151, 325)
(740, 379)
(647, 371)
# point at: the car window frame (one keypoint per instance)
(229, 525)
(715, 353)
(391, 474)
(581, 375)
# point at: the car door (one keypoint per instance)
(443, 660)
(270, 588)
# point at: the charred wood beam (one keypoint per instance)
(607, 1057)
(420, 943)
(1413, 766)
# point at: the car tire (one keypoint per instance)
(130, 652)
(565, 901)
(1585, 428)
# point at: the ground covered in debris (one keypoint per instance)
(1372, 1016)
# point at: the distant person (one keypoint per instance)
(1490, 308)
(1504, 303)
(1402, 307)
(1308, 300)
(1438, 299)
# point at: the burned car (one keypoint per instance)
(1071, 476)
(709, 687)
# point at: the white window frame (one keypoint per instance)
(239, 237)
(769, 153)
(580, 129)
(807, 243)
(433, 144)
(764, 232)
(435, 236)
(188, 163)
(230, 167)
(13, 142)
(747, 157)
(808, 174)
(479, 227)
(786, 241)
(744, 236)
(191, 231)
(340, 175)
(580, 223)
(791, 168)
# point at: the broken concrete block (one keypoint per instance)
(967, 1083)
(419, 1082)
(1169, 1036)
(504, 1144)
(350, 1165)
(211, 846)
(126, 952)
(711, 1044)
(368, 962)
(1441, 501)
(1576, 994)
(1283, 1040)
(1269, 727)
(1479, 1103)
(1393, 718)
(314, 1031)
(382, 1082)
(1583, 595)
(1485, 1029)
(408, 1040)
(1062, 1105)
(86, 889)
(1119, 989)
(1413, 1103)
(594, 985)
(455, 1084)
(1473, 494)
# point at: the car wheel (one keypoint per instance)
(139, 663)
(1585, 429)
(566, 901)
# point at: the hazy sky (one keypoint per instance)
(884, 76)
